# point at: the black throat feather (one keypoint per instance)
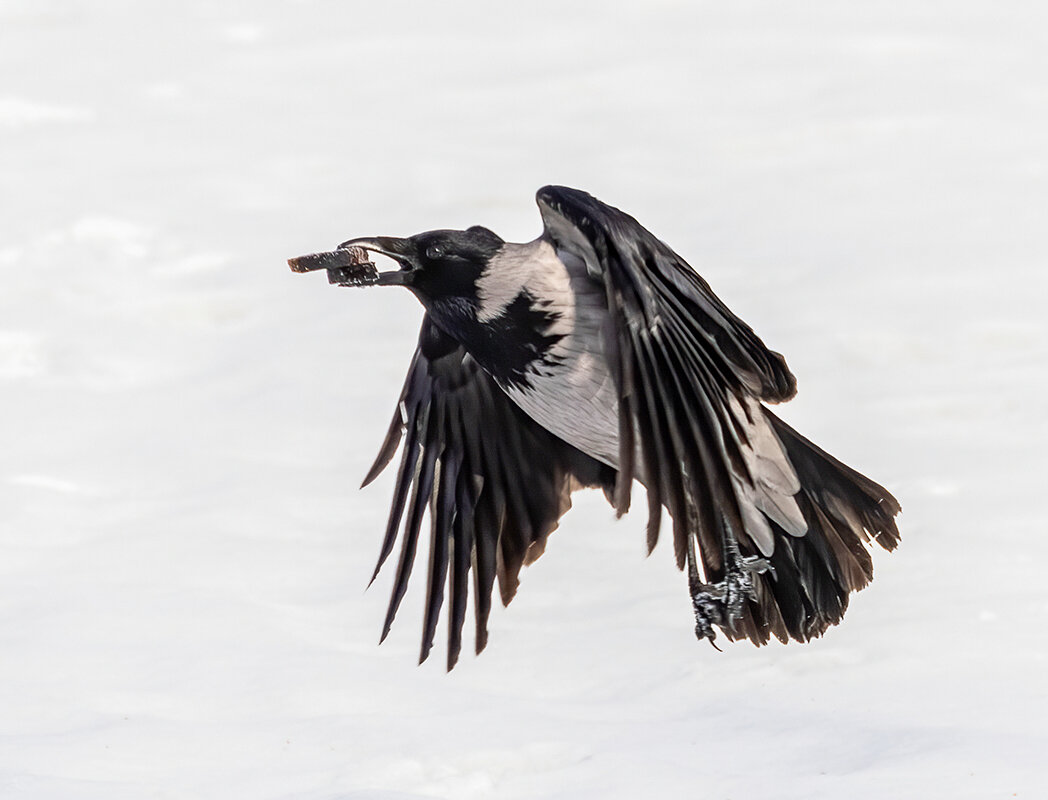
(514, 343)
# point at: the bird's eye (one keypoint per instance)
(434, 251)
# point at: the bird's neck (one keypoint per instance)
(515, 320)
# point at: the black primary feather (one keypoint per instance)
(683, 361)
(496, 481)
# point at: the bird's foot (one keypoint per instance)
(721, 603)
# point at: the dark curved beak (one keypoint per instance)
(400, 250)
(346, 267)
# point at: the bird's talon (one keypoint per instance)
(707, 608)
(722, 603)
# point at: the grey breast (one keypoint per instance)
(570, 392)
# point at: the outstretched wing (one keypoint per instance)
(495, 482)
(780, 527)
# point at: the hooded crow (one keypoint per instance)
(594, 356)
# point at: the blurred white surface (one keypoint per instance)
(184, 422)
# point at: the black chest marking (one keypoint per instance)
(520, 338)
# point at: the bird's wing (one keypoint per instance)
(495, 482)
(691, 377)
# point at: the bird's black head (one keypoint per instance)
(438, 266)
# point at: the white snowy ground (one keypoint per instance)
(183, 550)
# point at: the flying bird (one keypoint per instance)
(595, 356)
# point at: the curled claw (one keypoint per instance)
(708, 612)
(722, 603)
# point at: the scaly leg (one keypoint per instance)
(721, 603)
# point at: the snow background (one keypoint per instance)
(184, 422)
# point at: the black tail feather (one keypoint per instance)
(812, 576)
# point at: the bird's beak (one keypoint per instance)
(346, 267)
(400, 250)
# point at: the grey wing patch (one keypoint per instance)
(570, 392)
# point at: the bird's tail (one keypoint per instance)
(811, 576)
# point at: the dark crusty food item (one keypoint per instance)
(346, 266)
